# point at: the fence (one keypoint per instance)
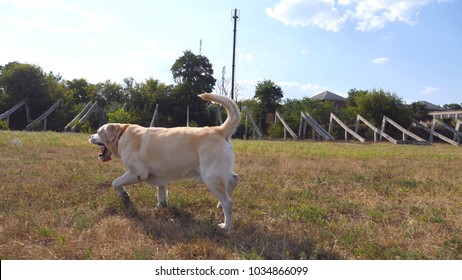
(406, 133)
(305, 120)
(81, 116)
(13, 109)
(345, 127)
(432, 133)
(286, 127)
(43, 117)
(248, 116)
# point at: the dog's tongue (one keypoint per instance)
(106, 159)
(103, 159)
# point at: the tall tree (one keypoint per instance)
(143, 97)
(269, 96)
(193, 75)
(157, 93)
(194, 70)
(67, 109)
(25, 81)
(109, 94)
(79, 89)
(353, 94)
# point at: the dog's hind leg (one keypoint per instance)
(233, 180)
(219, 188)
(162, 196)
(162, 190)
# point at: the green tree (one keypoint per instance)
(25, 81)
(80, 90)
(269, 96)
(195, 71)
(452, 106)
(159, 94)
(318, 109)
(143, 97)
(375, 104)
(109, 94)
(193, 75)
(121, 116)
(67, 108)
(353, 94)
(419, 112)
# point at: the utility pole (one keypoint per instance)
(235, 18)
(223, 73)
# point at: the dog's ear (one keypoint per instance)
(111, 132)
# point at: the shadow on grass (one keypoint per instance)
(175, 226)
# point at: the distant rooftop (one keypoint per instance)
(327, 95)
(431, 106)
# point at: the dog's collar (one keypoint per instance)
(120, 135)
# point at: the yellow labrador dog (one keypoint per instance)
(160, 156)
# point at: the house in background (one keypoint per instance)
(430, 106)
(440, 112)
(337, 100)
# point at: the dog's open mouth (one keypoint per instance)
(103, 155)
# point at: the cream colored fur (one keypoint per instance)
(160, 156)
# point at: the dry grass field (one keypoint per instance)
(295, 200)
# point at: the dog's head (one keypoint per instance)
(108, 137)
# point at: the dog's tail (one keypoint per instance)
(234, 116)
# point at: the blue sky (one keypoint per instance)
(410, 47)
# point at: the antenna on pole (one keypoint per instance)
(200, 47)
(223, 73)
(235, 17)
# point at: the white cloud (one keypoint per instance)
(56, 16)
(297, 90)
(344, 2)
(245, 56)
(429, 90)
(320, 13)
(332, 15)
(375, 14)
(380, 60)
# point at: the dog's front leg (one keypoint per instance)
(127, 179)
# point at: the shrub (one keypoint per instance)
(3, 125)
(121, 116)
(276, 130)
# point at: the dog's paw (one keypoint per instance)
(224, 226)
(126, 199)
(162, 205)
